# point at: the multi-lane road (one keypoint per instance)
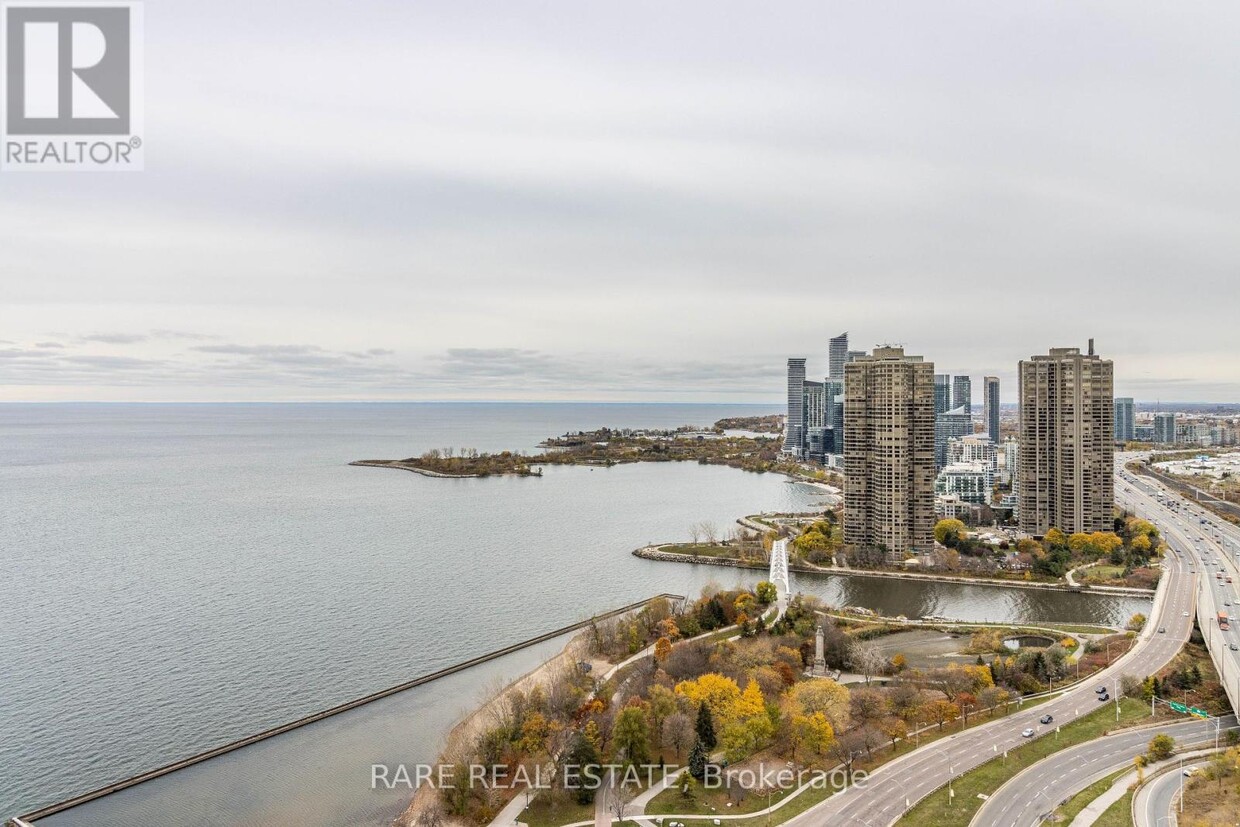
(895, 786)
(1026, 799)
(1156, 801)
(1211, 546)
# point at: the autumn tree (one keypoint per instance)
(948, 530)
(894, 728)
(716, 691)
(966, 701)
(630, 736)
(941, 711)
(821, 695)
(867, 705)
(1161, 747)
(813, 732)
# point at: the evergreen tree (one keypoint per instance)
(706, 728)
(582, 754)
(697, 760)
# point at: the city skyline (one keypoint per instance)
(538, 209)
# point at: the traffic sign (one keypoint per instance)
(1178, 707)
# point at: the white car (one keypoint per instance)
(1028, 733)
(1186, 614)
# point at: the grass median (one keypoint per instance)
(940, 810)
(1074, 805)
(1118, 814)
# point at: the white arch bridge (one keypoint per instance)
(779, 575)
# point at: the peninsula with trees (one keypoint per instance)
(747, 443)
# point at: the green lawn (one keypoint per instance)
(1083, 799)
(937, 810)
(541, 813)
(1118, 814)
(1104, 572)
(707, 802)
(702, 550)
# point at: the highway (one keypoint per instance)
(917, 774)
(1212, 547)
(895, 786)
(1154, 801)
(1027, 798)
(1023, 800)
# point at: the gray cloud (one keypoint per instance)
(115, 338)
(648, 200)
(164, 333)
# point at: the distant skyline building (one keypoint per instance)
(1067, 442)
(794, 424)
(990, 407)
(1125, 419)
(962, 393)
(1164, 428)
(837, 357)
(1011, 462)
(833, 393)
(942, 393)
(815, 406)
(949, 425)
(889, 453)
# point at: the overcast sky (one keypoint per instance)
(386, 199)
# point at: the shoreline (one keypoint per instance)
(657, 554)
(149, 775)
(386, 463)
(472, 721)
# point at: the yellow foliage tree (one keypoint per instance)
(813, 732)
(947, 528)
(750, 703)
(821, 695)
(719, 693)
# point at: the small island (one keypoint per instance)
(747, 443)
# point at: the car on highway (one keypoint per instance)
(1102, 690)
(1186, 614)
(1104, 697)
(1162, 630)
(1027, 733)
(1233, 647)
(1045, 719)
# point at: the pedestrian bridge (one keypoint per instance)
(779, 574)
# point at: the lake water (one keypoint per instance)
(179, 576)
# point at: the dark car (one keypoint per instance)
(1102, 690)
(1045, 719)
(1104, 697)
